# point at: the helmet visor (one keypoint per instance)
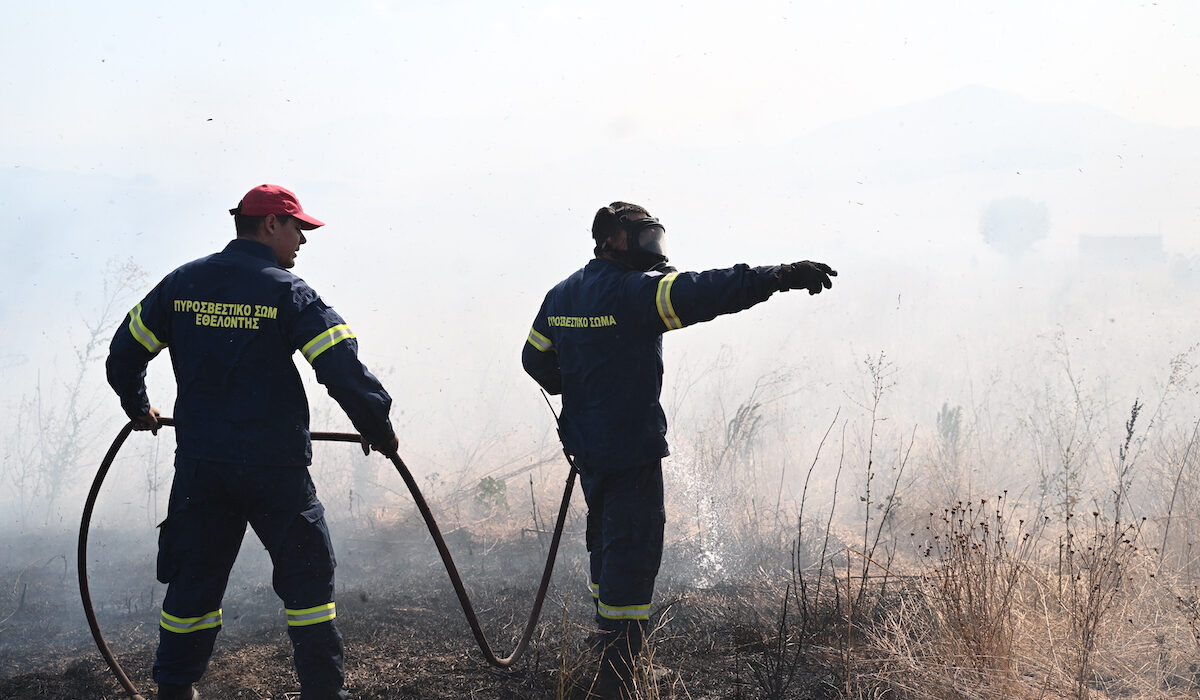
(646, 235)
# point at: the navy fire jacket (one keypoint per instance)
(232, 321)
(597, 340)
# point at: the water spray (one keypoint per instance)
(447, 560)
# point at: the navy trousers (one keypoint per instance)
(625, 523)
(210, 505)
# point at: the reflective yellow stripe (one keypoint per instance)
(595, 590)
(311, 616)
(663, 300)
(183, 625)
(313, 348)
(540, 341)
(141, 333)
(624, 612)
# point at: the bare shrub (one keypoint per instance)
(803, 612)
(52, 430)
(1090, 570)
(974, 557)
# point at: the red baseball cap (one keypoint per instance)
(273, 199)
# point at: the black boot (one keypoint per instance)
(618, 651)
(614, 681)
(170, 691)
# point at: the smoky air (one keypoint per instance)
(968, 469)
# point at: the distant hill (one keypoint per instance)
(975, 128)
(936, 164)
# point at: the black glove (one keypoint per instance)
(388, 449)
(812, 276)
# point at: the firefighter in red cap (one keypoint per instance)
(597, 340)
(232, 322)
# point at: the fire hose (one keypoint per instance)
(448, 561)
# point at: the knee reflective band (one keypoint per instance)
(625, 612)
(183, 625)
(310, 616)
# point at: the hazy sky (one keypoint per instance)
(195, 93)
(389, 106)
(458, 149)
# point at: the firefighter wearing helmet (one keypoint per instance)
(597, 341)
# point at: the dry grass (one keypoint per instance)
(991, 614)
(1068, 592)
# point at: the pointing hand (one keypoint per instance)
(813, 276)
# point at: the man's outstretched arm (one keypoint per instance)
(685, 298)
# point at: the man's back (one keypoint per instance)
(608, 344)
(597, 340)
(228, 321)
(232, 322)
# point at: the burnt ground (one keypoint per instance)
(406, 636)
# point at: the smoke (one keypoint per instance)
(964, 284)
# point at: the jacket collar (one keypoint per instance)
(255, 249)
(606, 263)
